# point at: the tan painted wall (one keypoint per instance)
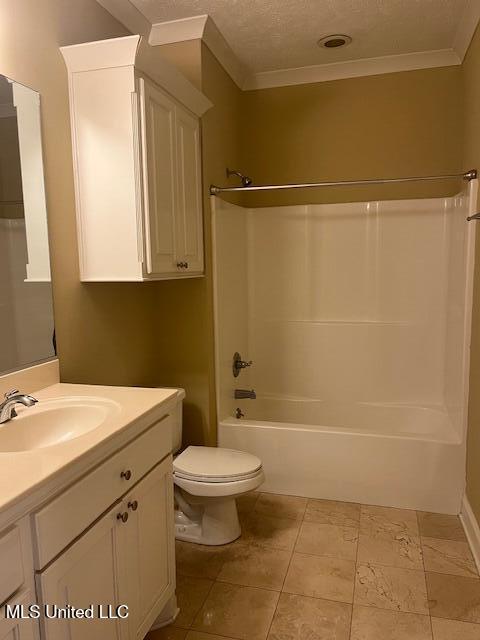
(471, 79)
(184, 316)
(105, 332)
(187, 57)
(162, 333)
(392, 125)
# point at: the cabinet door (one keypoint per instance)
(13, 629)
(151, 539)
(189, 227)
(159, 166)
(89, 572)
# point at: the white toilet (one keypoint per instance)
(206, 482)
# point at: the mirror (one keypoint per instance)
(26, 311)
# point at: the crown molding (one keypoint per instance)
(128, 15)
(135, 52)
(178, 30)
(466, 28)
(200, 28)
(353, 69)
(203, 28)
(221, 49)
(102, 54)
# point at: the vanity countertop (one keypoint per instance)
(28, 477)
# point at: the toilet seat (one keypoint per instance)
(215, 465)
(220, 489)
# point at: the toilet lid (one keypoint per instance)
(211, 464)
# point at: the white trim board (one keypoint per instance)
(353, 69)
(178, 30)
(203, 28)
(128, 15)
(472, 529)
(466, 28)
(134, 51)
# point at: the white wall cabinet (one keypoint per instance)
(137, 163)
(172, 184)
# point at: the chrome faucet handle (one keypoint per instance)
(239, 364)
(10, 394)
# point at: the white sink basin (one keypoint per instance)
(52, 422)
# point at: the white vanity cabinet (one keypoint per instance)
(17, 629)
(137, 163)
(17, 590)
(149, 541)
(88, 572)
(125, 557)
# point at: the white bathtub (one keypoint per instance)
(394, 455)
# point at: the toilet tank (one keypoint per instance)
(177, 422)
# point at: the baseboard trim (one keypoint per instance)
(472, 529)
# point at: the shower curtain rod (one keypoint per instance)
(468, 175)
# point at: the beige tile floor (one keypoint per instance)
(321, 570)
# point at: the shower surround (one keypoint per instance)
(357, 318)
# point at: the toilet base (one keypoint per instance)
(214, 523)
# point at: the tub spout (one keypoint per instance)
(241, 394)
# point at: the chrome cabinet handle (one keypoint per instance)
(182, 265)
(122, 516)
(126, 475)
(133, 505)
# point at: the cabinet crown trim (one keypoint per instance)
(136, 52)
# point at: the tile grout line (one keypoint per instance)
(288, 568)
(355, 574)
(424, 574)
(189, 627)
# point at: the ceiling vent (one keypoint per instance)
(334, 41)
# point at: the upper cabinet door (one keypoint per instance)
(189, 229)
(159, 167)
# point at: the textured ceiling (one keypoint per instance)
(280, 34)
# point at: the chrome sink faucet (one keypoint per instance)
(12, 398)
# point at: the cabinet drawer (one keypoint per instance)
(11, 563)
(63, 519)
